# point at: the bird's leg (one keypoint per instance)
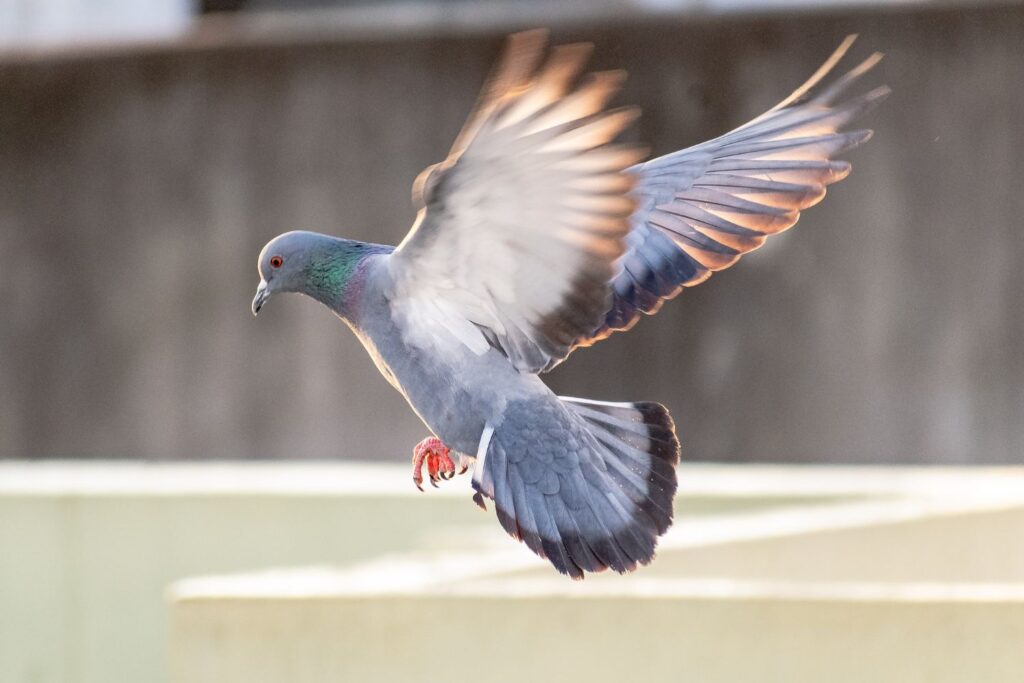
(438, 459)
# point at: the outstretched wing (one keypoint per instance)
(701, 208)
(521, 226)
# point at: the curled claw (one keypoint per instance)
(446, 468)
(438, 460)
(417, 467)
(431, 458)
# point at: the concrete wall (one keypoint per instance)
(87, 549)
(83, 568)
(136, 188)
(601, 639)
(867, 596)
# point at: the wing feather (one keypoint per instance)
(522, 224)
(700, 209)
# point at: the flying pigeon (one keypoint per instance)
(540, 234)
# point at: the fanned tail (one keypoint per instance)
(643, 436)
(585, 484)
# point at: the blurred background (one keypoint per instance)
(161, 450)
(149, 149)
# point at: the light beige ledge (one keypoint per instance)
(89, 549)
(920, 578)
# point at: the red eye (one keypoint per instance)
(276, 261)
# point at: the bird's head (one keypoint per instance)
(319, 266)
(283, 265)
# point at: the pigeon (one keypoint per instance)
(541, 233)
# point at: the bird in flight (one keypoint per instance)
(541, 233)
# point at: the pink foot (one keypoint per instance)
(439, 462)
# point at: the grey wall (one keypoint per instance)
(137, 188)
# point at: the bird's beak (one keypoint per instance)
(262, 294)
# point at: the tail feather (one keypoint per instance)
(585, 484)
(644, 436)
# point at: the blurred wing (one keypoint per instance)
(522, 224)
(702, 208)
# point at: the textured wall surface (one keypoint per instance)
(137, 188)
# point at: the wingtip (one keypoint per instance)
(571, 53)
(519, 59)
(629, 114)
(824, 70)
(880, 93)
(846, 43)
(527, 37)
(873, 98)
(838, 170)
(872, 60)
(830, 94)
(859, 137)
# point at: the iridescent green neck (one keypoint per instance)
(331, 273)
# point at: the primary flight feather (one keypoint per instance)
(540, 234)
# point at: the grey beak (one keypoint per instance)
(262, 294)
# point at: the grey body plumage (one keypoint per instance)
(538, 236)
(455, 392)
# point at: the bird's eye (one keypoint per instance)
(276, 261)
